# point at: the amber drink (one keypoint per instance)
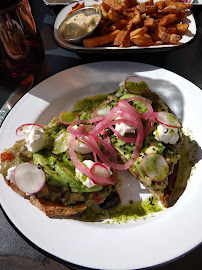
(21, 48)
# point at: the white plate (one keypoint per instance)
(197, 2)
(63, 2)
(57, 2)
(133, 245)
(63, 13)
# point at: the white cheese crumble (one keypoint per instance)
(123, 128)
(82, 177)
(122, 90)
(87, 181)
(81, 148)
(35, 138)
(10, 174)
(166, 134)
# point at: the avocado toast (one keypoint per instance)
(168, 145)
(62, 194)
(82, 150)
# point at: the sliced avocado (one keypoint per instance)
(84, 116)
(125, 148)
(154, 147)
(75, 185)
(51, 175)
(137, 104)
(66, 160)
(127, 96)
(59, 174)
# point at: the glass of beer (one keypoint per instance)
(21, 47)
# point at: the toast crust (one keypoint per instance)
(15, 188)
(51, 209)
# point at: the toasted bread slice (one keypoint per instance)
(15, 188)
(51, 209)
(161, 190)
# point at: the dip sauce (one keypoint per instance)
(79, 25)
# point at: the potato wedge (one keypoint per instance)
(122, 35)
(142, 41)
(100, 40)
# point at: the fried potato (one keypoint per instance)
(150, 2)
(142, 41)
(173, 9)
(159, 42)
(161, 33)
(114, 16)
(154, 36)
(139, 31)
(150, 22)
(100, 40)
(122, 35)
(148, 9)
(160, 5)
(168, 19)
(126, 42)
(114, 5)
(127, 23)
(103, 11)
(174, 38)
(182, 28)
(76, 7)
(118, 25)
(130, 3)
(172, 29)
(137, 17)
(180, 5)
(103, 28)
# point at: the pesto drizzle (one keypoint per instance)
(131, 211)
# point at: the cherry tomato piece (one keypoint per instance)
(6, 156)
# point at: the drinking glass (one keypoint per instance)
(21, 47)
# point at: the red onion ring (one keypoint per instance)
(85, 170)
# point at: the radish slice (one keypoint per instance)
(29, 177)
(61, 143)
(167, 119)
(155, 166)
(67, 117)
(21, 130)
(101, 170)
(135, 85)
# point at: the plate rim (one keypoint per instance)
(100, 63)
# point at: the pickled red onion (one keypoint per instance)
(123, 112)
(108, 147)
(84, 169)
